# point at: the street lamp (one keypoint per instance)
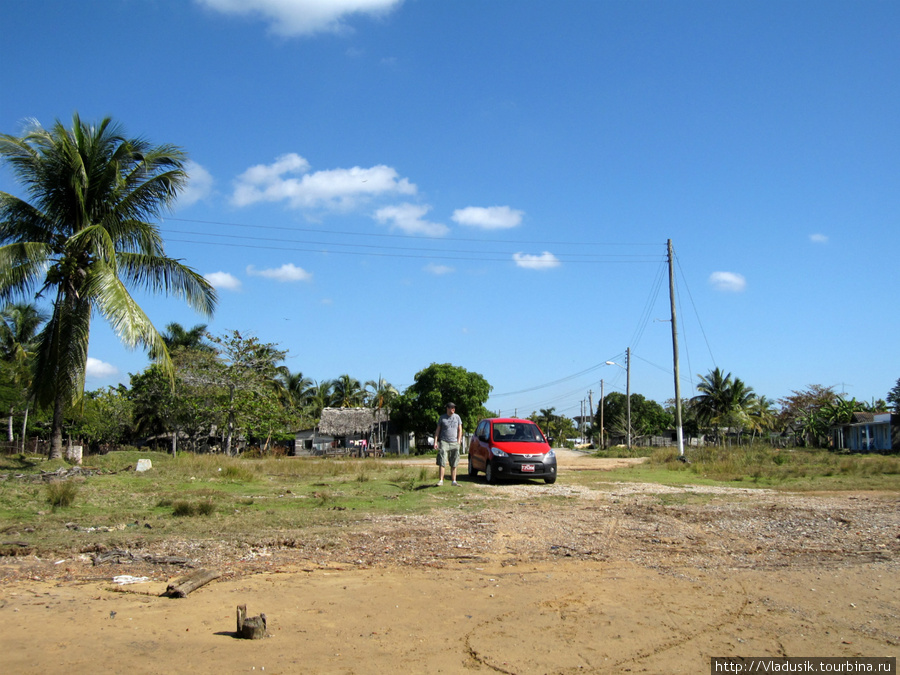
(627, 369)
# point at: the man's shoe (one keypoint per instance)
(455, 483)
(440, 482)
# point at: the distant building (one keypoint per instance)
(868, 432)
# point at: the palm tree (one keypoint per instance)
(320, 397)
(347, 392)
(293, 388)
(380, 394)
(19, 324)
(761, 415)
(83, 238)
(722, 400)
(194, 338)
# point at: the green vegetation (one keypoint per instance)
(61, 494)
(205, 497)
(796, 469)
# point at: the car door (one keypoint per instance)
(478, 446)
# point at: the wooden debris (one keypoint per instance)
(120, 556)
(250, 628)
(184, 585)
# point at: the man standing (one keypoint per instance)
(447, 439)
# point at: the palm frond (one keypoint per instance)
(22, 269)
(166, 275)
(61, 354)
(125, 317)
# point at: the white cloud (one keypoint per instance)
(99, 369)
(223, 281)
(438, 270)
(288, 179)
(304, 17)
(199, 185)
(818, 238)
(408, 219)
(728, 281)
(545, 261)
(287, 272)
(488, 218)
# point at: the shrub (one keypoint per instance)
(61, 494)
(204, 508)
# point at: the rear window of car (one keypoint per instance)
(516, 432)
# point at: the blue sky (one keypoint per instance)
(382, 184)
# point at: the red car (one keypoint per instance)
(510, 448)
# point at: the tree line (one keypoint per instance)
(84, 236)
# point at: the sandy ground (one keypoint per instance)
(555, 579)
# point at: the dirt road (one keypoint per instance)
(545, 579)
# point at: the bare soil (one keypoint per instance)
(546, 579)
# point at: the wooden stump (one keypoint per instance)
(250, 628)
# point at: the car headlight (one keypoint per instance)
(497, 452)
(551, 454)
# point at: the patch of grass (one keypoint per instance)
(61, 494)
(238, 473)
(184, 508)
(798, 468)
(624, 451)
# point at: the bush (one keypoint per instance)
(204, 508)
(61, 494)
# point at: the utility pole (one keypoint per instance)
(591, 404)
(679, 434)
(602, 429)
(628, 391)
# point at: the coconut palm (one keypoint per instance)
(380, 394)
(761, 415)
(320, 397)
(347, 392)
(293, 388)
(177, 335)
(722, 400)
(83, 238)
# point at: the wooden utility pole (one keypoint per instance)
(602, 428)
(628, 391)
(679, 434)
(591, 404)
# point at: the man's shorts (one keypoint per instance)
(448, 451)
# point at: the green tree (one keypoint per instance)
(800, 413)
(347, 392)
(83, 239)
(648, 417)
(761, 417)
(19, 324)
(176, 336)
(105, 417)
(423, 402)
(557, 427)
(893, 397)
(379, 394)
(722, 401)
(245, 369)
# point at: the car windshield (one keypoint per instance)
(516, 432)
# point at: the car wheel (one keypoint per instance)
(472, 470)
(550, 480)
(489, 476)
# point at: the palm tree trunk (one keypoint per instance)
(24, 426)
(57, 425)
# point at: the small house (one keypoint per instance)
(868, 432)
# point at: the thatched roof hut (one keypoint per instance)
(350, 421)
